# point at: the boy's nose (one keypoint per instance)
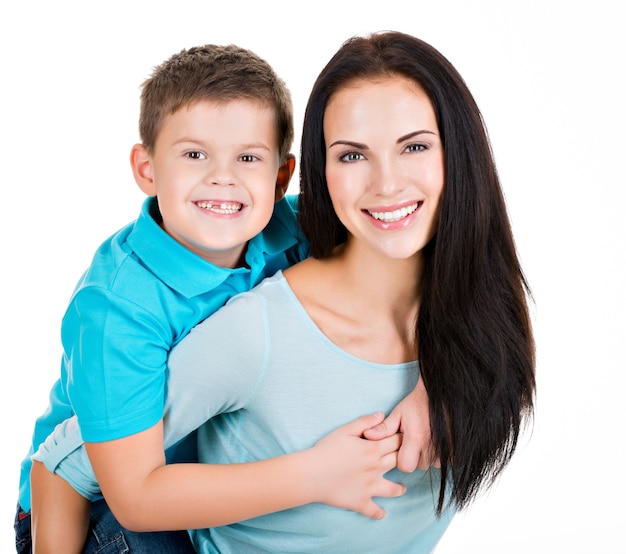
(222, 181)
(221, 174)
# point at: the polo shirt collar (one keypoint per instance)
(188, 273)
(278, 236)
(170, 261)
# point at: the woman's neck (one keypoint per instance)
(385, 282)
(365, 303)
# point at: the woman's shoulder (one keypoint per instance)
(306, 275)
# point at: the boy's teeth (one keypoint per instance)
(222, 207)
(395, 215)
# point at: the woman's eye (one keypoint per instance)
(195, 155)
(415, 147)
(351, 157)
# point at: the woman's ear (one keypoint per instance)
(285, 172)
(141, 164)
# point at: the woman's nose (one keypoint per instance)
(386, 179)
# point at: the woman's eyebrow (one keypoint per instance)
(363, 146)
(358, 145)
(414, 134)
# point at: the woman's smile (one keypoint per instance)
(384, 164)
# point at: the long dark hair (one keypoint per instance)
(473, 333)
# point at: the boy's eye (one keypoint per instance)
(248, 158)
(195, 155)
(351, 157)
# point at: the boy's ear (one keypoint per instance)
(141, 164)
(285, 172)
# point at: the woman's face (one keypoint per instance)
(384, 164)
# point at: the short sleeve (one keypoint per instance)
(115, 353)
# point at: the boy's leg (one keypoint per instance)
(23, 542)
(107, 536)
(59, 515)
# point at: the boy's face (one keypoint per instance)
(214, 170)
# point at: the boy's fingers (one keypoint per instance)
(389, 461)
(377, 432)
(373, 510)
(392, 489)
(383, 429)
(388, 489)
(389, 445)
(360, 425)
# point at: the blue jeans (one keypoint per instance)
(107, 536)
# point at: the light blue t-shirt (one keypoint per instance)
(281, 385)
(141, 295)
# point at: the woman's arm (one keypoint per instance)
(145, 494)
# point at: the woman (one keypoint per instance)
(413, 258)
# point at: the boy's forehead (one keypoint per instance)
(237, 120)
(223, 103)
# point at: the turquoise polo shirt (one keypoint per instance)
(142, 293)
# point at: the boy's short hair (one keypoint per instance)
(216, 73)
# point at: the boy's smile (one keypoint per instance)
(220, 208)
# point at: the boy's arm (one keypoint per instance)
(411, 418)
(145, 494)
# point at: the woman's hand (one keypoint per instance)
(411, 418)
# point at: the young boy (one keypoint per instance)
(216, 127)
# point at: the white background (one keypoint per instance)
(548, 78)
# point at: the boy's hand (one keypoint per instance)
(411, 418)
(351, 469)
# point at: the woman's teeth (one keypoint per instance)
(395, 215)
